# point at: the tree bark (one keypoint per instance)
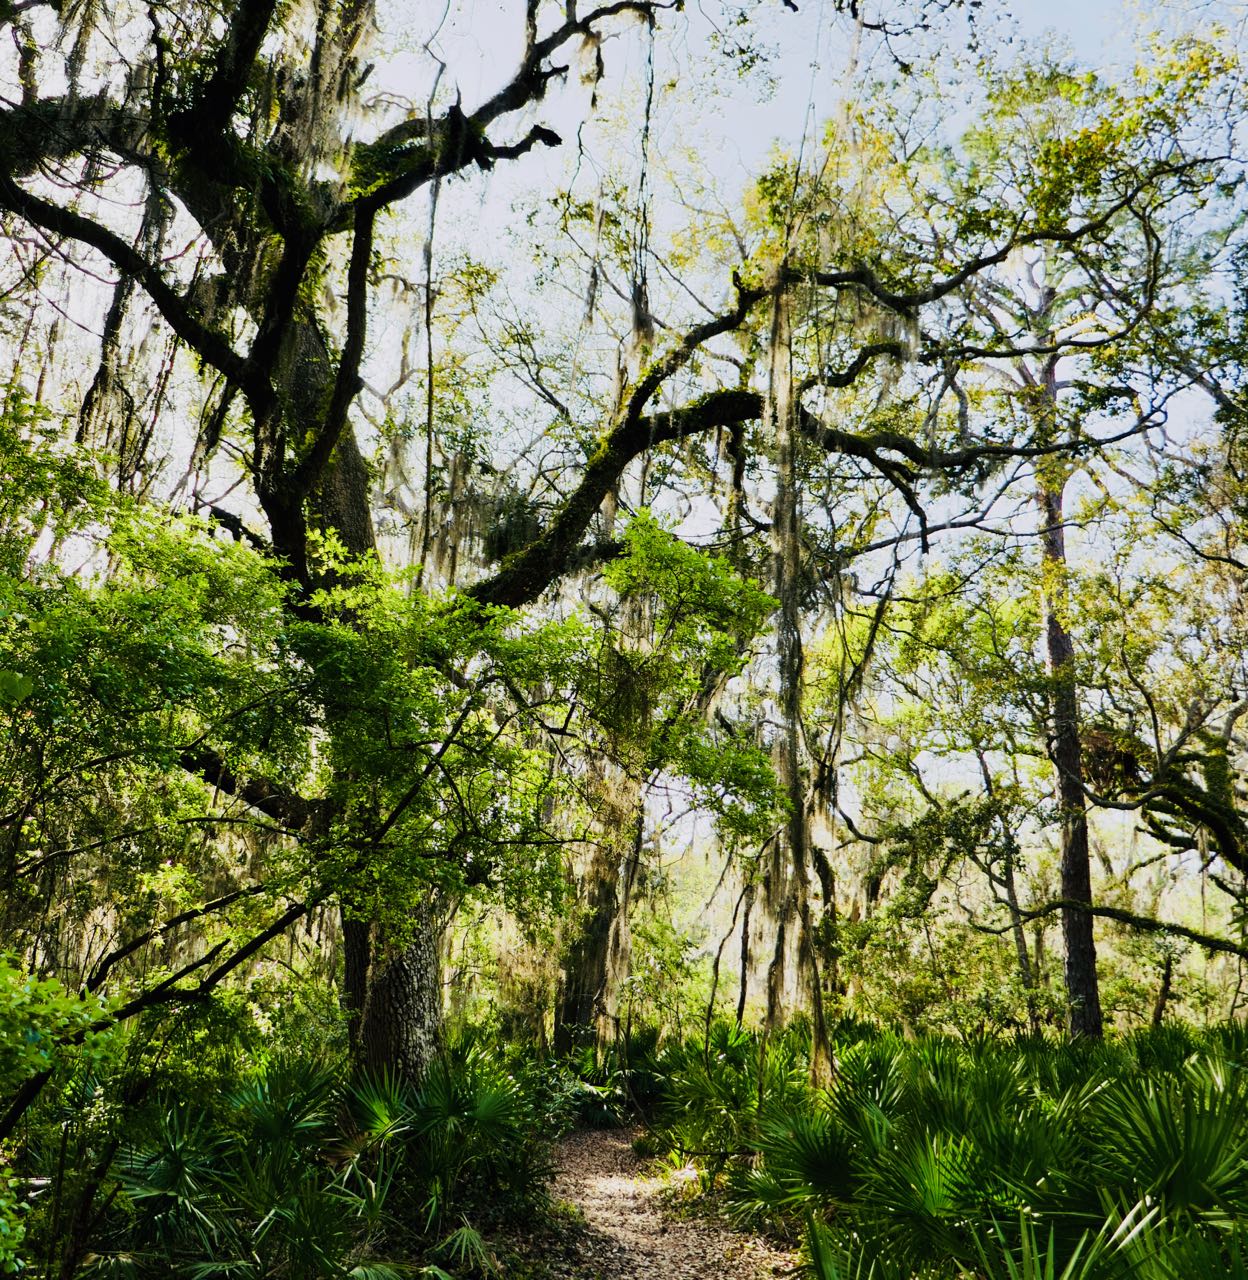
(598, 955)
(791, 892)
(1163, 992)
(394, 997)
(1082, 988)
(743, 986)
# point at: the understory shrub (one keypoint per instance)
(1032, 1159)
(287, 1169)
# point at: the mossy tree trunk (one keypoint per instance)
(599, 951)
(1065, 745)
(789, 874)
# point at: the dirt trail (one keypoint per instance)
(629, 1236)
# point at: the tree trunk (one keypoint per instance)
(597, 960)
(394, 997)
(792, 890)
(1025, 971)
(1163, 994)
(583, 993)
(744, 977)
(1082, 990)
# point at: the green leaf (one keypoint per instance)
(15, 687)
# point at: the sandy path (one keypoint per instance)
(629, 1236)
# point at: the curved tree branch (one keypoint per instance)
(1146, 924)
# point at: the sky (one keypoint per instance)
(731, 120)
(479, 40)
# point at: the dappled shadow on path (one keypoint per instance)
(627, 1233)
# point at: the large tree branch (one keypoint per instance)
(525, 575)
(217, 98)
(529, 572)
(412, 153)
(168, 991)
(908, 300)
(206, 342)
(283, 805)
(109, 962)
(1146, 924)
(347, 381)
(952, 461)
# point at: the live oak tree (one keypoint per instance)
(227, 134)
(230, 134)
(407, 714)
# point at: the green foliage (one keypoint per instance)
(37, 1016)
(49, 491)
(721, 1090)
(651, 680)
(13, 1208)
(294, 1170)
(1036, 1160)
(701, 605)
(181, 727)
(1114, 1249)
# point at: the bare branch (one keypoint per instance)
(206, 342)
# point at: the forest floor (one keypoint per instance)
(628, 1228)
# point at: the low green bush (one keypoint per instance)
(1032, 1159)
(140, 1168)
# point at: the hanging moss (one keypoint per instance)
(511, 523)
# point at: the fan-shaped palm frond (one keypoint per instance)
(806, 1160)
(1114, 1251)
(1181, 1143)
